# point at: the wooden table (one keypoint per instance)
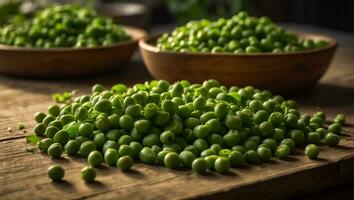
(23, 174)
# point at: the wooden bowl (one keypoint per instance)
(66, 62)
(278, 72)
(126, 13)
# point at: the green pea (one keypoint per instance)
(125, 163)
(236, 159)
(340, 119)
(222, 165)
(313, 137)
(252, 157)
(95, 158)
(111, 157)
(39, 129)
(312, 151)
(332, 139)
(233, 122)
(55, 150)
(199, 165)
(335, 128)
(126, 122)
(72, 147)
(54, 110)
(147, 156)
(87, 147)
(61, 137)
(201, 131)
(88, 174)
(39, 116)
(283, 151)
(44, 144)
(56, 172)
(264, 153)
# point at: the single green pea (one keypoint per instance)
(134, 111)
(172, 160)
(279, 135)
(313, 137)
(54, 110)
(153, 139)
(39, 129)
(187, 158)
(264, 153)
(167, 137)
(147, 156)
(61, 137)
(267, 129)
(222, 165)
(81, 114)
(199, 165)
(85, 129)
(282, 151)
(95, 158)
(332, 139)
(55, 150)
(111, 157)
(298, 136)
(88, 174)
(56, 172)
(252, 157)
(142, 126)
(340, 118)
(233, 122)
(97, 88)
(125, 163)
(126, 122)
(72, 147)
(335, 128)
(201, 144)
(236, 159)
(87, 147)
(312, 151)
(201, 131)
(232, 138)
(39, 116)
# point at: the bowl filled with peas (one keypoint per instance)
(65, 40)
(242, 50)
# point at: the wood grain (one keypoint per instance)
(23, 174)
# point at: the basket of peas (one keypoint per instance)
(62, 40)
(242, 50)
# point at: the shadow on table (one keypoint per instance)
(325, 95)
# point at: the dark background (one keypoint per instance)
(332, 14)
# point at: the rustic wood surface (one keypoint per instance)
(23, 174)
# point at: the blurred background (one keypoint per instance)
(146, 13)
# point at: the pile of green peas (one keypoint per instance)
(204, 127)
(240, 34)
(63, 26)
